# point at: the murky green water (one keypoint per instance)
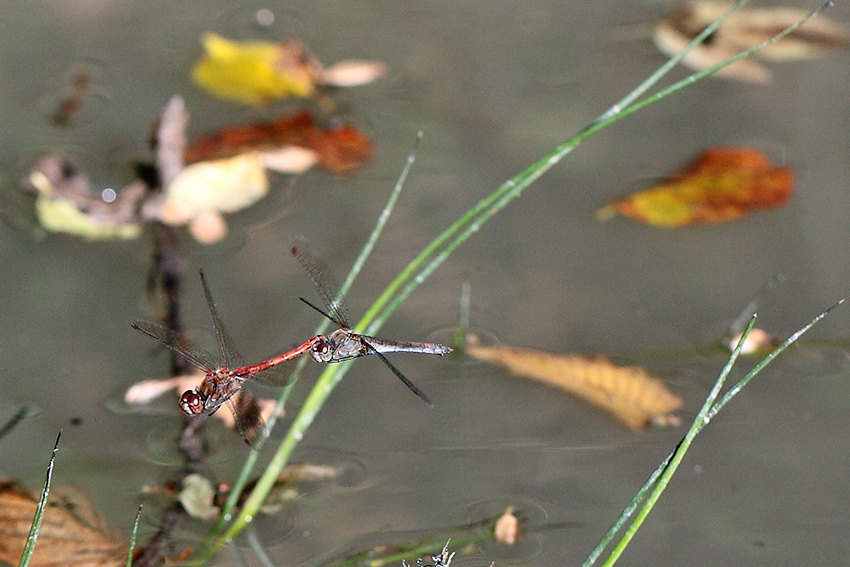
(494, 86)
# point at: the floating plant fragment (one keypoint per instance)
(628, 393)
(746, 28)
(720, 185)
(66, 202)
(259, 72)
(72, 533)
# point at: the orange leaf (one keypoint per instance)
(341, 148)
(66, 537)
(628, 393)
(721, 185)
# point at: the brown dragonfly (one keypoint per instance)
(345, 344)
(225, 375)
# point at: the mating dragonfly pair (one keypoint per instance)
(224, 378)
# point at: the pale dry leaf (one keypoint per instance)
(208, 227)
(290, 159)
(507, 528)
(225, 185)
(64, 539)
(148, 390)
(628, 393)
(353, 73)
(744, 29)
(757, 341)
(670, 41)
(171, 140)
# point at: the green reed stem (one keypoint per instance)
(38, 518)
(656, 484)
(132, 548)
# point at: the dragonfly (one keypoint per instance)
(225, 375)
(345, 344)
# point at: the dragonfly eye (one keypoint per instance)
(322, 351)
(191, 403)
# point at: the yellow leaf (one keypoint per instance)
(628, 393)
(59, 215)
(252, 72)
(66, 203)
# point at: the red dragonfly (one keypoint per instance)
(225, 376)
(345, 344)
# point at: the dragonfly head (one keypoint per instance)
(322, 351)
(191, 402)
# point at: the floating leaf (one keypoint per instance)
(202, 191)
(196, 495)
(148, 390)
(722, 184)
(256, 72)
(353, 73)
(65, 202)
(340, 147)
(628, 393)
(744, 29)
(69, 535)
(507, 529)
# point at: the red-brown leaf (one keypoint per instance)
(341, 148)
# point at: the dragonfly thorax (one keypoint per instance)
(340, 345)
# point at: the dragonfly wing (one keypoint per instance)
(413, 387)
(323, 280)
(249, 418)
(277, 376)
(199, 357)
(227, 348)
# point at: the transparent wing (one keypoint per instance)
(249, 418)
(229, 353)
(323, 281)
(413, 387)
(197, 356)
